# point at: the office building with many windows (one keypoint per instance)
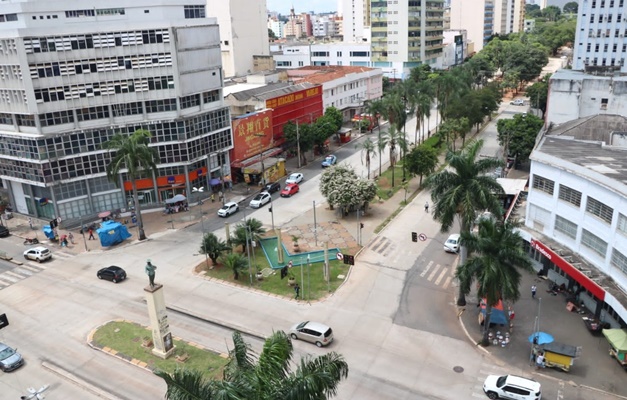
(74, 73)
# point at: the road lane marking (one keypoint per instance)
(13, 274)
(437, 281)
(435, 271)
(422, 275)
(22, 271)
(30, 268)
(8, 278)
(447, 282)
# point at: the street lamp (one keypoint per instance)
(202, 224)
(263, 168)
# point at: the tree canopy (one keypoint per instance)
(518, 135)
(341, 186)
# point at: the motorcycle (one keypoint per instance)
(31, 241)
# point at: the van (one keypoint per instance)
(512, 387)
(313, 332)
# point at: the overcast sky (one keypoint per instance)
(283, 6)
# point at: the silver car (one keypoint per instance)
(10, 359)
(314, 332)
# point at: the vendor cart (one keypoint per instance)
(618, 345)
(559, 355)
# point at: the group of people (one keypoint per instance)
(176, 208)
(63, 240)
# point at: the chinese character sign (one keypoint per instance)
(252, 134)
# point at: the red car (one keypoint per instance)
(289, 190)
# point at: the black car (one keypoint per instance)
(272, 187)
(112, 273)
(4, 231)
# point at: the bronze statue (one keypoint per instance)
(150, 271)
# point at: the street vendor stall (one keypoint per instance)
(559, 355)
(618, 345)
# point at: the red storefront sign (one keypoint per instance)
(304, 106)
(573, 272)
(165, 181)
(252, 134)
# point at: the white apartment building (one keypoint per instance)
(345, 88)
(575, 94)
(456, 48)
(476, 17)
(577, 212)
(325, 26)
(243, 33)
(277, 27)
(509, 16)
(77, 72)
(294, 55)
(601, 36)
(355, 20)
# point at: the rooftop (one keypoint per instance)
(269, 91)
(323, 74)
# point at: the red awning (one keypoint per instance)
(255, 159)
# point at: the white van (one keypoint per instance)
(512, 387)
(314, 332)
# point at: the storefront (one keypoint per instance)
(304, 106)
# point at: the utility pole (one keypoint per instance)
(298, 144)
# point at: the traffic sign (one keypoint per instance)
(339, 256)
(4, 321)
(422, 237)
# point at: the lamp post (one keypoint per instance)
(272, 212)
(263, 168)
(202, 223)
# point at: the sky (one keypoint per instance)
(283, 6)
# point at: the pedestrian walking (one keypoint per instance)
(30, 222)
(540, 360)
(220, 195)
(71, 237)
(427, 206)
(297, 291)
(91, 234)
(534, 289)
(213, 197)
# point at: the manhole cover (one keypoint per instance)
(458, 369)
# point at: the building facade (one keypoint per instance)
(296, 55)
(509, 16)
(477, 18)
(76, 73)
(601, 37)
(355, 20)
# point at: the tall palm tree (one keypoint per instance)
(423, 100)
(464, 189)
(235, 262)
(391, 139)
(131, 152)
(374, 108)
(263, 377)
(213, 247)
(497, 256)
(368, 150)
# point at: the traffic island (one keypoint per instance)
(125, 340)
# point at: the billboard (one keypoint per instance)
(459, 49)
(252, 134)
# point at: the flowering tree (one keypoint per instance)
(341, 186)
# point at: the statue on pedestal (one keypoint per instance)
(150, 271)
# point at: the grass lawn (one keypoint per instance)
(274, 283)
(126, 338)
(384, 181)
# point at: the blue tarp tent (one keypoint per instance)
(111, 233)
(48, 232)
(498, 313)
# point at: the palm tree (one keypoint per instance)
(213, 247)
(495, 264)
(368, 150)
(263, 377)
(391, 138)
(423, 100)
(464, 189)
(251, 229)
(235, 262)
(133, 154)
(374, 108)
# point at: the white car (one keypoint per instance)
(260, 200)
(512, 387)
(296, 177)
(228, 209)
(38, 254)
(452, 243)
(517, 102)
(313, 332)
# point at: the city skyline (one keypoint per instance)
(319, 6)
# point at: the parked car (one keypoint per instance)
(289, 190)
(272, 187)
(314, 332)
(39, 254)
(329, 161)
(452, 243)
(10, 359)
(260, 200)
(4, 231)
(228, 209)
(113, 273)
(517, 102)
(296, 177)
(512, 387)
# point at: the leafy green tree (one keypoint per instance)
(335, 116)
(341, 186)
(518, 135)
(368, 151)
(496, 258)
(213, 247)
(571, 7)
(394, 110)
(539, 93)
(551, 13)
(323, 129)
(420, 73)
(464, 189)
(302, 135)
(554, 35)
(267, 376)
(249, 230)
(422, 160)
(271, 34)
(131, 152)
(235, 262)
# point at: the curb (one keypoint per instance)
(78, 381)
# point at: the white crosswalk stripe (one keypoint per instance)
(439, 275)
(435, 271)
(422, 275)
(19, 273)
(444, 271)
(6, 277)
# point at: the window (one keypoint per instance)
(80, 13)
(110, 11)
(538, 214)
(210, 97)
(599, 209)
(619, 260)
(570, 195)
(320, 54)
(593, 242)
(543, 184)
(622, 223)
(154, 106)
(87, 114)
(566, 227)
(360, 54)
(56, 118)
(190, 101)
(194, 12)
(8, 17)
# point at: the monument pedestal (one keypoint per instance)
(161, 336)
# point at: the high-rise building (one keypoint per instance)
(77, 72)
(243, 33)
(355, 19)
(600, 43)
(509, 16)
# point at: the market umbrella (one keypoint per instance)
(176, 199)
(214, 182)
(543, 338)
